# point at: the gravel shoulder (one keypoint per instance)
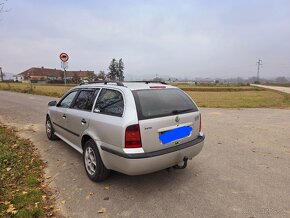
(243, 170)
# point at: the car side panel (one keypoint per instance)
(57, 119)
(75, 125)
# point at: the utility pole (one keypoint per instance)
(1, 74)
(259, 63)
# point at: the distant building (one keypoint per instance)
(45, 75)
(18, 78)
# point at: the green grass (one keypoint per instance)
(245, 99)
(21, 178)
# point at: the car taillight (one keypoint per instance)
(133, 137)
(200, 123)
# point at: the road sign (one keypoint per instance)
(63, 57)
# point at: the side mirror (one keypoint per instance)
(52, 103)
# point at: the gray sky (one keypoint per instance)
(175, 38)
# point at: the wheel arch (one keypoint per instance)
(85, 138)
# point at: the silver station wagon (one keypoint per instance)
(132, 127)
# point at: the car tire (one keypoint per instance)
(94, 165)
(49, 129)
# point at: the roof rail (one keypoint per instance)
(148, 81)
(102, 81)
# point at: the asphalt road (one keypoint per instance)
(243, 170)
(277, 88)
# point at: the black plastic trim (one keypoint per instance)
(67, 129)
(155, 153)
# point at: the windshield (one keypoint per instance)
(152, 103)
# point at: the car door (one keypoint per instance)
(78, 115)
(58, 115)
(107, 119)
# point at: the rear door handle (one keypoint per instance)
(84, 121)
(64, 116)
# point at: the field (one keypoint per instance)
(208, 87)
(242, 99)
(205, 95)
(39, 89)
(279, 84)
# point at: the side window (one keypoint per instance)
(110, 102)
(66, 102)
(85, 100)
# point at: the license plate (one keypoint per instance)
(172, 135)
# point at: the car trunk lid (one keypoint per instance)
(167, 118)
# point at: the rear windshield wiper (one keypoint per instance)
(182, 111)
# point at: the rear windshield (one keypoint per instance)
(152, 103)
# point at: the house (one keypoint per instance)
(18, 78)
(46, 75)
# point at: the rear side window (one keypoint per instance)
(110, 102)
(153, 103)
(85, 100)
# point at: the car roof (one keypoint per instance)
(127, 85)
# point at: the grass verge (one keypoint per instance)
(38, 89)
(23, 192)
(245, 99)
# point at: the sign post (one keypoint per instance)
(64, 64)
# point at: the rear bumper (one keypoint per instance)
(142, 163)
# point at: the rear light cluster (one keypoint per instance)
(200, 123)
(133, 137)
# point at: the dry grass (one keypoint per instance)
(39, 89)
(216, 87)
(245, 99)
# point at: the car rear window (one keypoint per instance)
(153, 103)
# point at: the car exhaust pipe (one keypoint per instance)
(177, 167)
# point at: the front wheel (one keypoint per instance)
(49, 130)
(94, 165)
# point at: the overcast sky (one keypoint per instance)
(183, 38)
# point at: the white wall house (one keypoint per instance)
(18, 78)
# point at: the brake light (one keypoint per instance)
(157, 87)
(199, 122)
(133, 137)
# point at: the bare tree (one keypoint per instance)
(2, 6)
(91, 76)
(101, 75)
(76, 79)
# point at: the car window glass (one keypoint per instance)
(152, 103)
(85, 100)
(66, 102)
(110, 102)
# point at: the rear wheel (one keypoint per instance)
(94, 165)
(49, 130)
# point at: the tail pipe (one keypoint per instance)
(177, 167)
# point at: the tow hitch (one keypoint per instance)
(177, 167)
